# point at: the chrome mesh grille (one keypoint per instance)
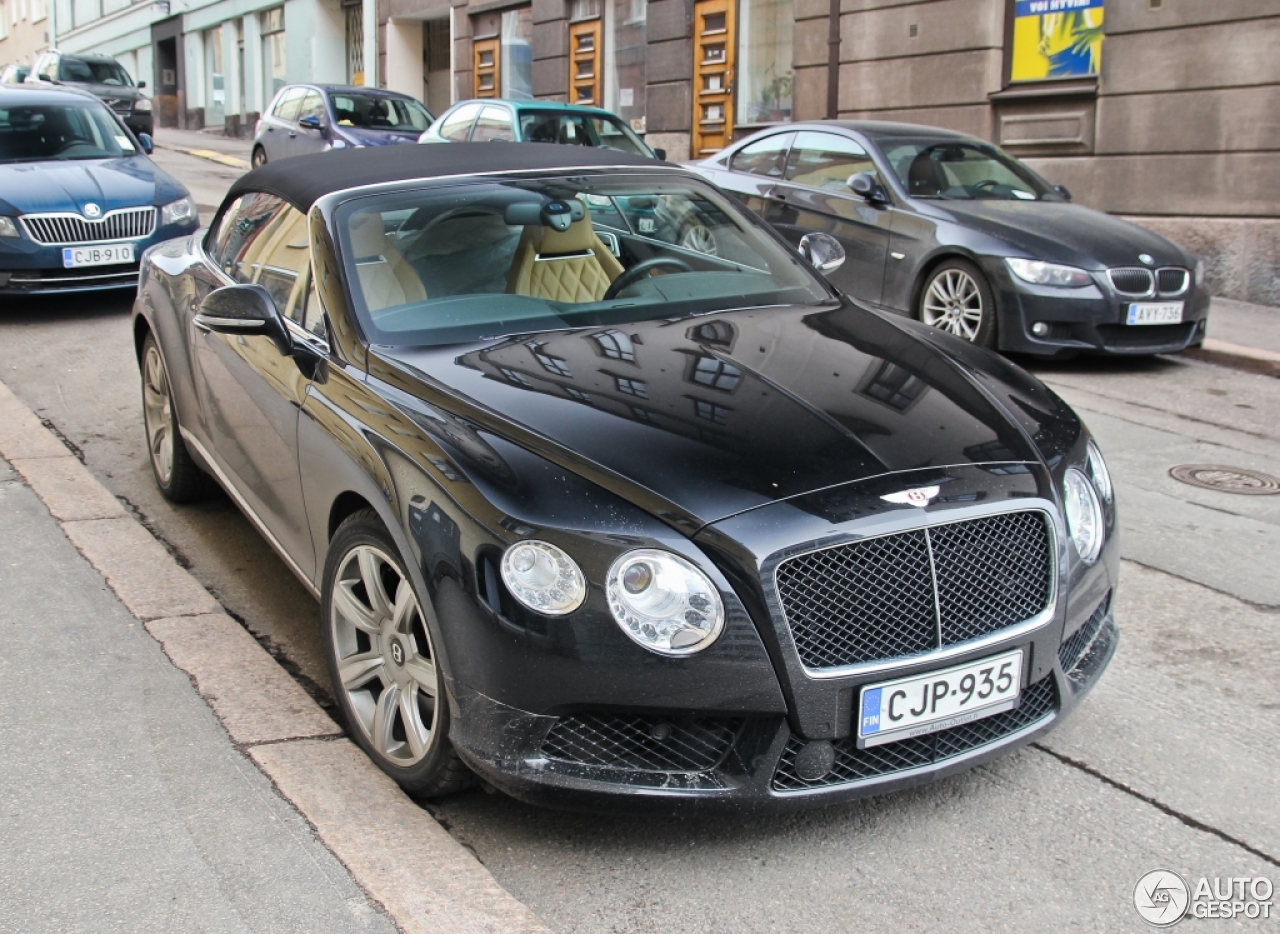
(1172, 280)
(1073, 648)
(913, 592)
(73, 230)
(853, 764)
(649, 744)
(1132, 280)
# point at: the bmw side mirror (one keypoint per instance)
(660, 154)
(1064, 191)
(823, 251)
(244, 310)
(311, 122)
(864, 185)
(147, 143)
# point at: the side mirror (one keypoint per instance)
(864, 185)
(244, 309)
(311, 122)
(660, 154)
(141, 85)
(823, 251)
(147, 143)
(1064, 191)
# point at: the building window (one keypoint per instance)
(513, 377)
(715, 374)
(893, 386)
(764, 92)
(355, 44)
(516, 69)
(615, 345)
(720, 333)
(549, 363)
(274, 63)
(577, 394)
(1049, 45)
(642, 415)
(710, 411)
(216, 112)
(632, 387)
(624, 55)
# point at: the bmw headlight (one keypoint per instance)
(543, 578)
(142, 105)
(663, 602)
(1084, 515)
(8, 228)
(1098, 472)
(178, 212)
(1039, 272)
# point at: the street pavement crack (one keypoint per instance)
(1260, 607)
(57, 433)
(1157, 804)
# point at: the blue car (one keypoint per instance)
(79, 199)
(306, 118)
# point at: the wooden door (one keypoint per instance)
(487, 67)
(714, 43)
(585, 72)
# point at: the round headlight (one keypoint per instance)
(663, 602)
(1084, 515)
(1098, 471)
(543, 578)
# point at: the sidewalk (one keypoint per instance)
(1243, 336)
(211, 146)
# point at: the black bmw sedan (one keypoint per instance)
(957, 233)
(610, 522)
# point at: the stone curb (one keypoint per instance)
(1237, 356)
(211, 155)
(426, 881)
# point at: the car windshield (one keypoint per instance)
(373, 112)
(40, 132)
(577, 129)
(948, 168)
(77, 69)
(493, 258)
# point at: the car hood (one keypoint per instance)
(42, 187)
(365, 137)
(729, 412)
(114, 92)
(1062, 232)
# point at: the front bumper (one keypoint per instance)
(1088, 320)
(30, 268)
(755, 762)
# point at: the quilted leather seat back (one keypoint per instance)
(386, 279)
(562, 266)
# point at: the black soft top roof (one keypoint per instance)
(303, 180)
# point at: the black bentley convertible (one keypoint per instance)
(610, 521)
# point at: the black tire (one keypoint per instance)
(176, 473)
(259, 157)
(956, 298)
(391, 710)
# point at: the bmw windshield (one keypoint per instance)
(494, 258)
(962, 169)
(43, 132)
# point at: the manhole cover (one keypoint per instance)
(1226, 479)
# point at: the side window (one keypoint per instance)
(235, 246)
(826, 161)
(458, 126)
(279, 260)
(494, 123)
(312, 106)
(765, 157)
(287, 108)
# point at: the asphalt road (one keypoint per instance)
(1171, 763)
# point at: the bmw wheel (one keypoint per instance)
(259, 157)
(695, 236)
(382, 663)
(178, 476)
(957, 299)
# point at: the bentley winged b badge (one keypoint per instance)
(919, 496)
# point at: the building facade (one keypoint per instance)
(217, 63)
(1158, 110)
(25, 30)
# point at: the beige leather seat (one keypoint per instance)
(386, 278)
(562, 266)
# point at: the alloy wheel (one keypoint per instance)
(698, 238)
(259, 158)
(385, 664)
(953, 302)
(157, 414)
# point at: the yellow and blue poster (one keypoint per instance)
(1056, 39)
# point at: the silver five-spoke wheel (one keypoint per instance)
(956, 299)
(383, 653)
(157, 413)
(698, 238)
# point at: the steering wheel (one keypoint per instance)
(639, 270)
